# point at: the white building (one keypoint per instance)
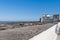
(50, 18)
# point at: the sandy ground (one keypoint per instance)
(23, 33)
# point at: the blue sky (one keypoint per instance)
(27, 10)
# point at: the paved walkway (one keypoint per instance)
(47, 35)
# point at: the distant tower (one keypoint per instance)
(59, 17)
(56, 18)
(40, 20)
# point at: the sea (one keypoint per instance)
(4, 22)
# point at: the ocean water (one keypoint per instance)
(4, 22)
